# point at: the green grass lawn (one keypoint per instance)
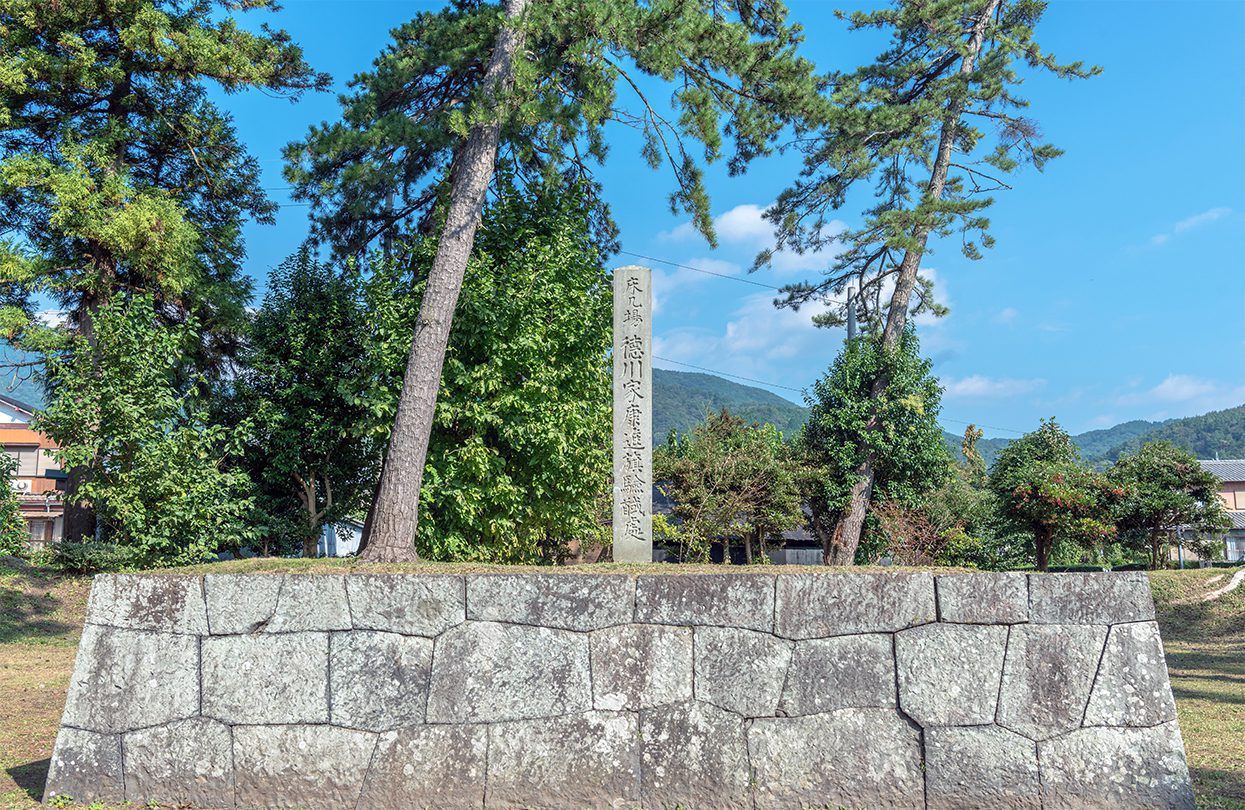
(41, 618)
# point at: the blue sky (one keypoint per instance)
(1116, 290)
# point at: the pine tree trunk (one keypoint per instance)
(842, 550)
(1042, 543)
(395, 515)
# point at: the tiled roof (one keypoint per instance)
(1238, 519)
(1229, 470)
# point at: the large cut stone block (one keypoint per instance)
(839, 673)
(724, 600)
(166, 603)
(740, 670)
(311, 602)
(127, 679)
(301, 766)
(848, 758)
(636, 666)
(85, 766)
(190, 762)
(484, 672)
(694, 755)
(985, 598)
(567, 601)
(241, 603)
(1047, 677)
(587, 760)
(949, 673)
(378, 681)
(820, 605)
(1110, 768)
(1090, 598)
(982, 766)
(280, 678)
(1132, 688)
(412, 605)
(427, 767)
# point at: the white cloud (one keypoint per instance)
(745, 226)
(666, 281)
(978, 386)
(1005, 315)
(1189, 223)
(1183, 395)
(51, 317)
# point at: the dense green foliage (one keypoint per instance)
(732, 67)
(519, 461)
(731, 483)
(1164, 489)
(1043, 490)
(682, 399)
(899, 431)
(13, 531)
(123, 410)
(302, 386)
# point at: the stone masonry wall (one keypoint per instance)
(577, 690)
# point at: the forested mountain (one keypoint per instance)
(681, 398)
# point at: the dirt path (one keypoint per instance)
(1232, 585)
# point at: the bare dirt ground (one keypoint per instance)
(41, 618)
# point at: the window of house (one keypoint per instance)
(27, 459)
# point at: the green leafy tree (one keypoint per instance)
(913, 125)
(159, 478)
(730, 482)
(119, 175)
(1164, 489)
(303, 383)
(897, 430)
(14, 534)
(1043, 490)
(519, 458)
(533, 86)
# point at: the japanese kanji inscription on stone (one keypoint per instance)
(633, 415)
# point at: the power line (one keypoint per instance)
(978, 424)
(727, 374)
(701, 270)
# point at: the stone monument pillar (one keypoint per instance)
(633, 414)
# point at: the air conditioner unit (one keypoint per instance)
(21, 486)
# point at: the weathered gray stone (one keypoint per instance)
(949, 673)
(300, 766)
(85, 766)
(567, 601)
(311, 602)
(640, 665)
(739, 670)
(848, 758)
(1090, 598)
(266, 678)
(427, 767)
(190, 762)
(723, 600)
(165, 603)
(982, 766)
(241, 603)
(693, 755)
(1132, 688)
(839, 673)
(127, 679)
(1111, 768)
(633, 415)
(378, 681)
(581, 761)
(821, 605)
(484, 672)
(412, 605)
(983, 598)
(1047, 677)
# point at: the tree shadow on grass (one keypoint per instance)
(1219, 789)
(31, 777)
(28, 608)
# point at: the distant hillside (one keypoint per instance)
(680, 399)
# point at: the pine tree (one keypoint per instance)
(118, 175)
(534, 87)
(911, 126)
